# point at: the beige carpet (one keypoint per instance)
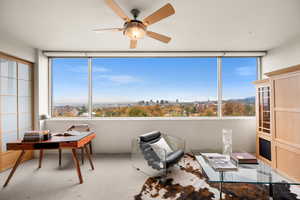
(113, 178)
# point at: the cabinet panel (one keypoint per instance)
(287, 92)
(288, 126)
(285, 158)
(264, 147)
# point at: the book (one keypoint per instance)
(244, 158)
(220, 162)
(35, 136)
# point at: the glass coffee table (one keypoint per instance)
(259, 173)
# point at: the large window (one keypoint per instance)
(238, 90)
(152, 87)
(70, 87)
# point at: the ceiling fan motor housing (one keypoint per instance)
(135, 29)
(135, 12)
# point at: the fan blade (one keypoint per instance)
(116, 8)
(107, 29)
(160, 14)
(133, 44)
(158, 36)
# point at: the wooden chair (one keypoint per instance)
(78, 128)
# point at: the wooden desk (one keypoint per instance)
(56, 142)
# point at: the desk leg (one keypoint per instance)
(59, 157)
(91, 148)
(41, 157)
(89, 156)
(76, 163)
(82, 155)
(14, 168)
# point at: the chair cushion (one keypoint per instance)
(174, 157)
(150, 136)
(161, 148)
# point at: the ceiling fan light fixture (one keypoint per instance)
(135, 30)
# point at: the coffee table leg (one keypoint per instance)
(14, 168)
(221, 184)
(271, 190)
(77, 165)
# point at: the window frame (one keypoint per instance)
(90, 90)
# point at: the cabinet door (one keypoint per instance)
(264, 123)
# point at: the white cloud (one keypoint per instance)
(245, 71)
(120, 79)
(84, 69)
(77, 68)
(100, 69)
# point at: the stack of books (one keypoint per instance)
(36, 136)
(244, 158)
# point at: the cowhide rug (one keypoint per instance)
(188, 183)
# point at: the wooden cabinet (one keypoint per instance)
(16, 100)
(263, 117)
(282, 135)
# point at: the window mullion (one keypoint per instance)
(219, 87)
(90, 102)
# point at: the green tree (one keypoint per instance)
(136, 112)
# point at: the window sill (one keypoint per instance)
(149, 118)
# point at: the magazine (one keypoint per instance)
(220, 162)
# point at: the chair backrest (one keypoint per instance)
(152, 146)
(79, 128)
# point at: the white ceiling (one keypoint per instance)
(198, 25)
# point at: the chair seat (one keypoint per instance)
(174, 157)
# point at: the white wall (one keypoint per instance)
(17, 49)
(115, 135)
(283, 56)
(41, 88)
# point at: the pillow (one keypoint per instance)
(161, 144)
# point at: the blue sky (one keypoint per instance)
(135, 79)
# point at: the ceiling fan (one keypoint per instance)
(135, 29)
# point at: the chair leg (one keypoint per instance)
(41, 157)
(59, 157)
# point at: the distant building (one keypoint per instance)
(67, 110)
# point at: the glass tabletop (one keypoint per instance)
(260, 173)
